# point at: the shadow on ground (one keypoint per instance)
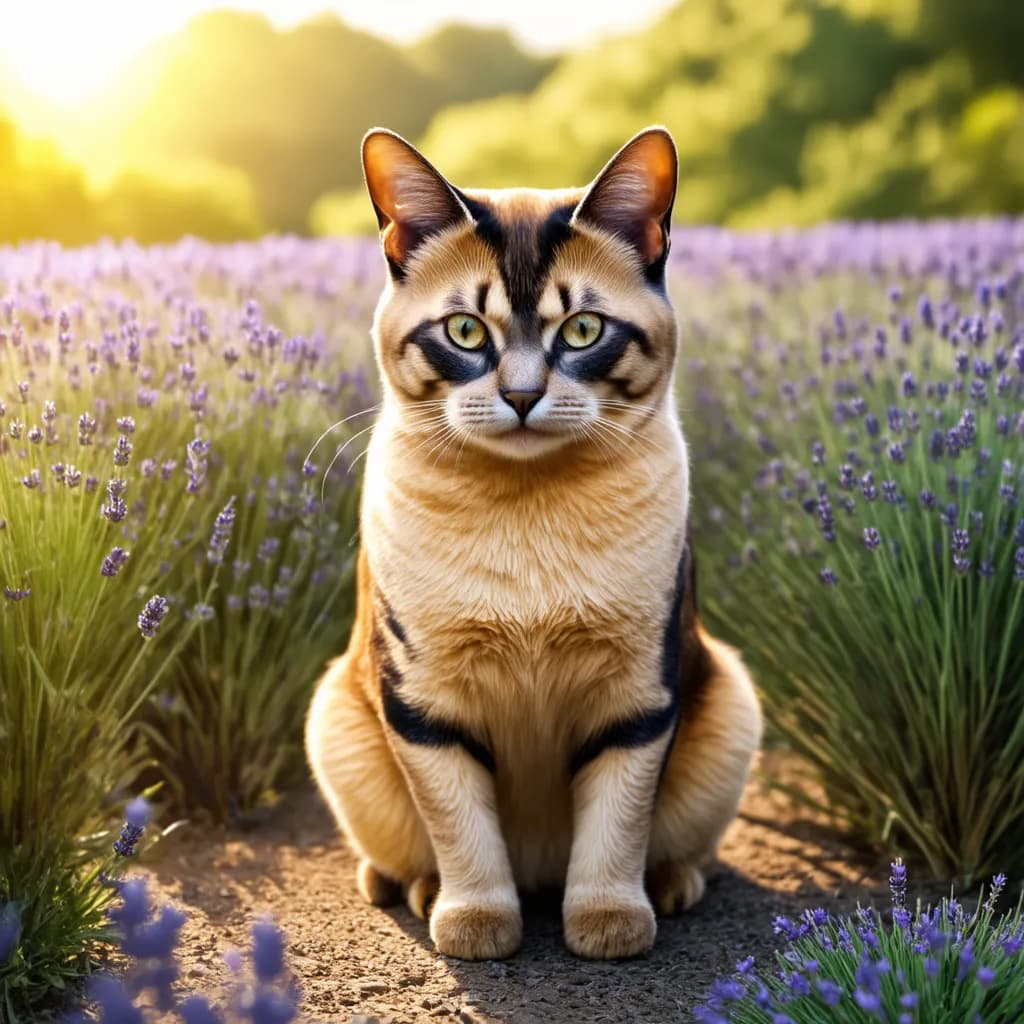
(352, 959)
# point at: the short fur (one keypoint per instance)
(528, 697)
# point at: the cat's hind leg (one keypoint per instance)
(366, 791)
(706, 771)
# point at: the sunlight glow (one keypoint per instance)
(65, 52)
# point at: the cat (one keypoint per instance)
(528, 698)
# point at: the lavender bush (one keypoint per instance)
(855, 403)
(940, 965)
(174, 568)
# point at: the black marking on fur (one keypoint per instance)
(598, 361)
(630, 732)
(650, 725)
(481, 297)
(414, 724)
(563, 294)
(524, 249)
(448, 362)
(391, 620)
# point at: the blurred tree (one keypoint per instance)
(289, 108)
(476, 63)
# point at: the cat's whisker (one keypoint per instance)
(334, 426)
(337, 455)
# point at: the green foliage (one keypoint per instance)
(476, 62)
(787, 111)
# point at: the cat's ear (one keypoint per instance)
(410, 197)
(632, 197)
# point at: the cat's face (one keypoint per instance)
(524, 321)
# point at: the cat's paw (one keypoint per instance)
(674, 887)
(476, 931)
(609, 931)
(375, 887)
(421, 895)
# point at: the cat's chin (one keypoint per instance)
(522, 443)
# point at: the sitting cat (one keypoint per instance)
(528, 697)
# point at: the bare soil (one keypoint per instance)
(356, 961)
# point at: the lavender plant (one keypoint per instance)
(858, 449)
(140, 623)
(51, 934)
(940, 965)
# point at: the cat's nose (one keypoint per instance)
(521, 401)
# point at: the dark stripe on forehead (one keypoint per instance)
(563, 294)
(524, 246)
(481, 297)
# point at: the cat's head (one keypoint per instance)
(522, 321)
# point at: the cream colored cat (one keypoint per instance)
(528, 698)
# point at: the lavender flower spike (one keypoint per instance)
(221, 536)
(136, 817)
(113, 562)
(152, 615)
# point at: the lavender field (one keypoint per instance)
(177, 534)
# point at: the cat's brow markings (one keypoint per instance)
(481, 297)
(524, 237)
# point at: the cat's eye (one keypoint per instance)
(466, 331)
(582, 330)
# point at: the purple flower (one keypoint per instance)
(10, 931)
(828, 577)
(136, 817)
(221, 536)
(267, 950)
(17, 593)
(122, 451)
(86, 428)
(113, 562)
(830, 992)
(195, 464)
(872, 538)
(152, 615)
(197, 1010)
(898, 883)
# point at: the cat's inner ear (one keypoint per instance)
(632, 197)
(410, 197)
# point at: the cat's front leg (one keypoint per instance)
(606, 911)
(476, 915)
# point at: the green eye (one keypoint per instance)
(466, 331)
(582, 330)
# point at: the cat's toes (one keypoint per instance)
(476, 932)
(674, 887)
(375, 887)
(421, 895)
(609, 932)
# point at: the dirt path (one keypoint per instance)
(353, 959)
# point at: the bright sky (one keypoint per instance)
(66, 50)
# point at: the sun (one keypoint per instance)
(65, 53)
